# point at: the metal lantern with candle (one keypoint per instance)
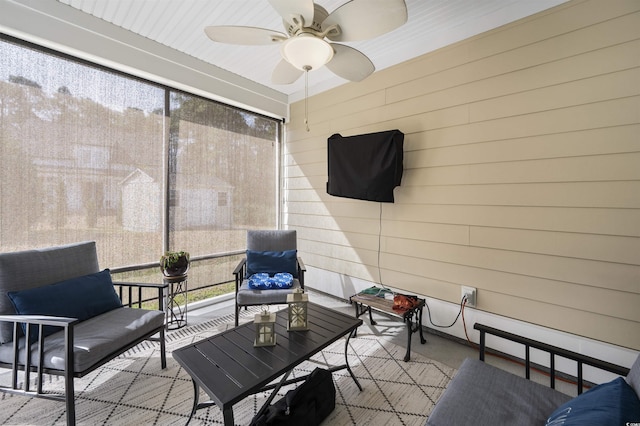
(265, 328)
(298, 303)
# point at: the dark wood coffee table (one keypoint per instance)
(229, 368)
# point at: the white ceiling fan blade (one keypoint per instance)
(285, 73)
(365, 19)
(290, 9)
(244, 35)
(349, 63)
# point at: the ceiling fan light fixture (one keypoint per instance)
(307, 52)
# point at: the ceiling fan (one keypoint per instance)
(308, 25)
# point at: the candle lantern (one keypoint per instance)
(298, 302)
(265, 328)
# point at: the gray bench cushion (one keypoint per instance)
(94, 339)
(633, 378)
(481, 394)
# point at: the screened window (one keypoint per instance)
(91, 154)
(219, 153)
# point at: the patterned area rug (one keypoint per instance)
(133, 390)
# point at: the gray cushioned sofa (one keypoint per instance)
(72, 348)
(482, 395)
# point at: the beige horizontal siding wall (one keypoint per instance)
(522, 173)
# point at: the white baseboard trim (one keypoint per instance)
(444, 313)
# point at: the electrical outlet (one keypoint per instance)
(470, 294)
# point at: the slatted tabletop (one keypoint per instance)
(229, 368)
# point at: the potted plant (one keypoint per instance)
(174, 263)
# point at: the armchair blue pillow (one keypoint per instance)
(272, 262)
(81, 297)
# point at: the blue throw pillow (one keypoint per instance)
(262, 281)
(282, 280)
(612, 403)
(82, 298)
(272, 262)
(259, 281)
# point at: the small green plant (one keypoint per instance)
(170, 258)
(174, 263)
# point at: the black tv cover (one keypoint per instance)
(365, 167)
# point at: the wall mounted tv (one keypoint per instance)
(365, 167)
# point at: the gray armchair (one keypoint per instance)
(266, 241)
(74, 321)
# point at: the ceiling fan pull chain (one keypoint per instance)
(306, 96)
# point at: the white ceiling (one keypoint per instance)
(179, 24)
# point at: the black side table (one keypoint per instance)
(176, 315)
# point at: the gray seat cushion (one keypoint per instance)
(633, 378)
(94, 338)
(27, 269)
(248, 296)
(482, 395)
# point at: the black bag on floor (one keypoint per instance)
(309, 404)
